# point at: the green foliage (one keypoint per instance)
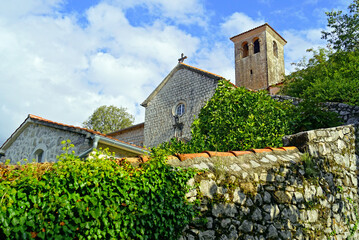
(108, 119)
(94, 198)
(326, 77)
(237, 119)
(311, 169)
(343, 33)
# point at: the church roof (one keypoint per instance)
(168, 77)
(70, 128)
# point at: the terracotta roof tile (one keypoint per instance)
(261, 150)
(239, 153)
(219, 154)
(186, 156)
(276, 149)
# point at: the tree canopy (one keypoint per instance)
(326, 77)
(343, 33)
(106, 119)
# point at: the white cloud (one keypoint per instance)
(239, 22)
(54, 68)
(298, 43)
(181, 12)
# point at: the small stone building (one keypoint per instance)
(40, 139)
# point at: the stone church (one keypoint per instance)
(173, 105)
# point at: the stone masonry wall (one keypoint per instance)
(135, 136)
(348, 113)
(48, 139)
(279, 194)
(189, 87)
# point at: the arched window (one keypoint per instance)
(180, 109)
(275, 49)
(39, 155)
(256, 47)
(245, 49)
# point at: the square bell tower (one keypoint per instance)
(259, 58)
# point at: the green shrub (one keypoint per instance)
(326, 77)
(97, 198)
(238, 119)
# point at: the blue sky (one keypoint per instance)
(62, 59)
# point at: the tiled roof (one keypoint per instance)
(140, 125)
(40, 119)
(174, 70)
(266, 24)
(201, 70)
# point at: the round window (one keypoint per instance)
(180, 109)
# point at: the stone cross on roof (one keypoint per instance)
(183, 57)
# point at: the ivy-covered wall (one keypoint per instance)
(279, 194)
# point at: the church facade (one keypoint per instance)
(172, 107)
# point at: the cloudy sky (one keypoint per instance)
(61, 59)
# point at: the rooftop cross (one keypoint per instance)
(183, 57)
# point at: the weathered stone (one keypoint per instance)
(208, 188)
(309, 193)
(272, 232)
(291, 212)
(239, 197)
(225, 222)
(230, 210)
(267, 197)
(258, 199)
(218, 210)
(273, 210)
(257, 215)
(312, 215)
(255, 164)
(246, 226)
(207, 235)
(272, 158)
(282, 197)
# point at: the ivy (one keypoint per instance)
(96, 198)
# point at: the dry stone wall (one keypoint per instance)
(279, 194)
(348, 113)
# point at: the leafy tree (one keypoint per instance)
(108, 119)
(326, 77)
(344, 28)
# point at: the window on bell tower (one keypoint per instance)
(256, 46)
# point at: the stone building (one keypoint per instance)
(40, 139)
